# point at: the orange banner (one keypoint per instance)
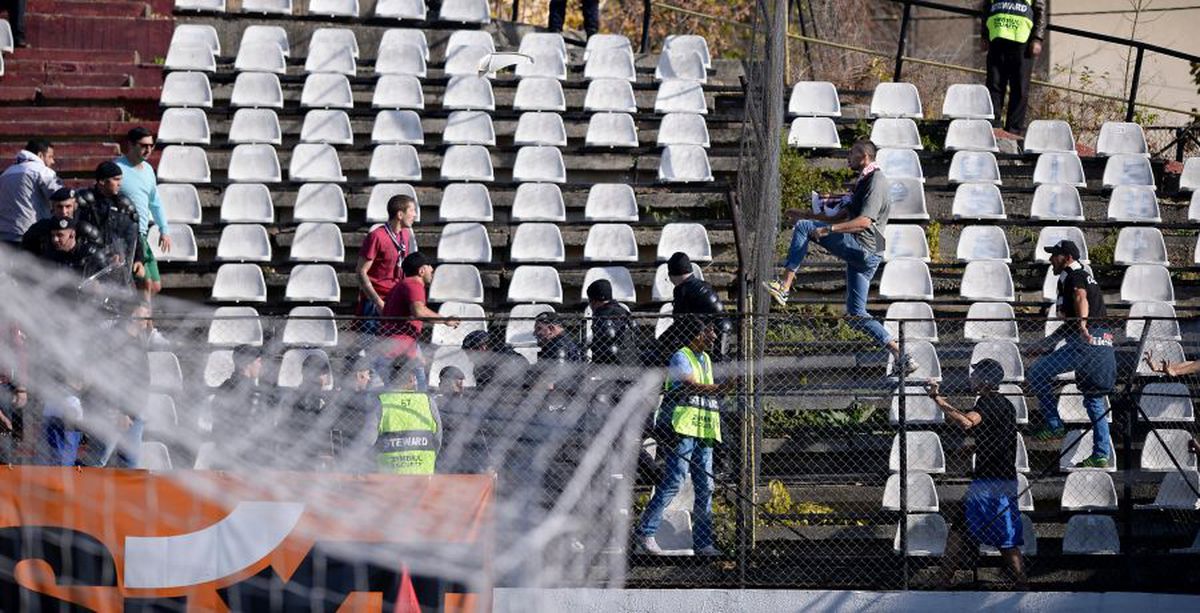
(104, 539)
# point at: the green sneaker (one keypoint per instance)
(775, 288)
(1096, 461)
(1050, 434)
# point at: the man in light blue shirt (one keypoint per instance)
(140, 185)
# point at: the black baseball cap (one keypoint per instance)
(61, 194)
(476, 340)
(679, 264)
(107, 170)
(1064, 247)
(62, 223)
(600, 290)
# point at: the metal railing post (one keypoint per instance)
(516, 10)
(902, 382)
(1133, 85)
(647, 15)
(899, 73)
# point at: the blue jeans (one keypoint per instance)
(369, 325)
(860, 269)
(1087, 361)
(689, 454)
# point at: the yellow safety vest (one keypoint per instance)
(407, 443)
(695, 416)
(1010, 20)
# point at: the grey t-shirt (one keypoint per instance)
(870, 198)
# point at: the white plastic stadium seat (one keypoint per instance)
(1163, 325)
(255, 164)
(1089, 490)
(333, 8)
(216, 6)
(537, 243)
(539, 165)
(534, 94)
(317, 242)
(988, 281)
(915, 317)
(291, 365)
(978, 201)
(971, 135)
(467, 93)
(396, 127)
(193, 57)
(930, 368)
(1091, 535)
(618, 276)
(1161, 445)
(465, 11)
(401, 59)
(662, 290)
(469, 128)
(610, 242)
(1016, 396)
(684, 164)
(154, 456)
(1140, 246)
(534, 43)
(196, 34)
(467, 163)
(470, 317)
(257, 90)
(313, 283)
(967, 101)
(327, 126)
(1030, 548)
(6, 40)
(247, 203)
(1128, 170)
(906, 198)
(469, 38)
(1160, 349)
(683, 129)
(900, 164)
(464, 59)
(183, 247)
(680, 97)
(274, 7)
(381, 193)
(1147, 282)
(611, 130)
(446, 356)
(1059, 168)
(1167, 402)
(814, 99)
(1120, 138)
(260, 58)
(611, 202)
(315, 162)
(456, 283)
(1004, 352)
(906, 279)
(250, 126)
(974, 167)
(1133, 203)
(217, 368)
(1057, 203)
(599, 42)
(244, 243)
(466, 202)
(541, 129)
(464, 243)
(1081, 451)
(676, 43)
(235, 325)
(261, 34)
(680, 66)
(610, 64)
(924, 451)
(977, 243)
(535, 284)
(1049, 135)
(896, 100)
(690, 238)
(326, 91)
(394, 163)
(544, 65)
(1189, 180)
(991, 321)
(539, 202)
(896, 133)
(613, 95)
(1178, 491)
(310, 326)
(813, 133)
(331, 57)
(401, 9)
(184, 164)
(401, 39)
(927, 534)
(181, 203)
(922, 495)
(1051, 235)
(186, 89)
(239, 283)
(398, 92)
(905, 241)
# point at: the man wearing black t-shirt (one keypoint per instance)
(1087, 350)
(991, 511)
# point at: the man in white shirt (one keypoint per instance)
(25, 189)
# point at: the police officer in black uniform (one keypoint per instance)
(692, 296)
(64, 250)
(62, 204)
(114, 217)
(611, 325)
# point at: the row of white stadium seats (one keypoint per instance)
(924, 453)
(1084, 535)
(459, 11)
(980, 243)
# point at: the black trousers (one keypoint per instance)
(16, 17)
(1009, 68)
(591, 16)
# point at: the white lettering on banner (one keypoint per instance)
(248, 534)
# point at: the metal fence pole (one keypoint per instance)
(647, 15)
(516, 10)
(1133, 85)
(902, 380)
(899, 73)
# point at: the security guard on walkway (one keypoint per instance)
(410, 427)
(1013, 31)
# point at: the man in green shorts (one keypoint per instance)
(140, 185)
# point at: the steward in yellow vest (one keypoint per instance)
(1012, 35)
(410, 428)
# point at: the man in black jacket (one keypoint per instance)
(63, 248)
(238, 406)
(692, 296)
(62, 204)
(611, 325)
(114, 218)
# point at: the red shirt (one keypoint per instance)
(399, 303)
(378, 246)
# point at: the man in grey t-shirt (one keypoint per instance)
(853, 234)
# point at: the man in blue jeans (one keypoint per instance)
(1087, 350)
(855, 235)
(687, 425)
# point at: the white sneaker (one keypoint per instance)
(648, 545)
(709, 551)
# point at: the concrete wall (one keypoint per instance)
(515, 600)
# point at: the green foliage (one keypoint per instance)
(799, 177)
(783, 423)
(820, 323)
(781, 505)
(1102, 252)
(862, 130)
(934, 233)
(929, 144)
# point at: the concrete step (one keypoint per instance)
(53, 94)
(90, 8)
(82, 73)
(61, 113)
(51, 54)
(150, 36)
(104, 129)
(38, 80)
